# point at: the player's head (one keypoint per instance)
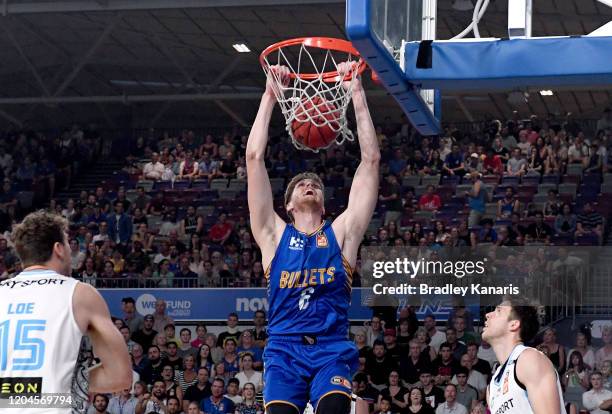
(304, 193)
(42, 239)
(514, 319)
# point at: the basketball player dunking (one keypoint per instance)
(44, 316)
(526, 382)
(309, 262)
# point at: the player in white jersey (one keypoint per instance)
(43, 317)
(526, 382)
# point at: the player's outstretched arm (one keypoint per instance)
(264, 221)
(539, 376)
(92, 315)
(353, 223)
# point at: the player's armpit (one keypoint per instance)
(536, 372)
(92, 316)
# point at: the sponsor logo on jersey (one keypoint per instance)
(338, 380)
(296, 243)
(505, 406)
(17, 386)
(321, 240)
(506, 385)
(11, 284)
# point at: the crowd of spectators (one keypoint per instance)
(436, 366)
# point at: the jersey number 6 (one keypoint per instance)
(305, 298)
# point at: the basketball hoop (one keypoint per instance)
(314, 78)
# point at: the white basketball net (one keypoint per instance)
(298, 100)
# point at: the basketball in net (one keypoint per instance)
(315, 99)
(315, 125)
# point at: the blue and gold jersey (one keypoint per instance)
(309, 285)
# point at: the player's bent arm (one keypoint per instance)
(353, 222)
(361, 406)
(264, 220)
(539, 376)
(92, 315)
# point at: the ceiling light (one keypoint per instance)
(241, 48)
(463, 5)
(546, 93)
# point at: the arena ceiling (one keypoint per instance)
(161, 63)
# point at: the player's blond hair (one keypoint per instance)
(295, 180)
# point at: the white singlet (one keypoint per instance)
(507, 395)
(39, 338)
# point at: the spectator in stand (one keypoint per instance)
(208, 167)
(576, 380)
(454, 162)
(478, 364)
(221, 231)
(413, 364)
(46, 172)
(379, 366)
(517, 165)
(477, 197)
(173, 357)
(553, 205)
(467, 395)
(395, 392)
(374, 330)
(188, 169)
(217, 403)
(492, 163)
(198, 391)
(228, 166)
(77, 257)
(130, 317)
(161, 319)
(154, 169)
(153, 368)
(163, 277)
(430, 201)
(192, 223)
(247, 346)
(390, 340)
(605, 352)
(247, 375)
(451, 406)
(606, 373)
(384, 407)
(260, 333)
(539, 231)
(185, 348)
(422, 337)
(201, 332)
(598, 400)
(436, 336)
(124, 403)
(119, 225)
(590, 222)
(125, 332)
(100, 404)
(556, 350)
(391, 194)
(586, 351)
(578, 152)
(474, 378)
(433, 395)
(398, 163)
(185, 277)
(187, 375)
(508, 205)
(231, 331)
(230, 359)
(565, 223)
(434, 165)
(499, 150)
(249, 404)
(464, 335)
(139, 360)
(474, 164)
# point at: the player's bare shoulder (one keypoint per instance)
(533, 365)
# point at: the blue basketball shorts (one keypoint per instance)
(295, 373)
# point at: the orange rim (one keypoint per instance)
(330, 43)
